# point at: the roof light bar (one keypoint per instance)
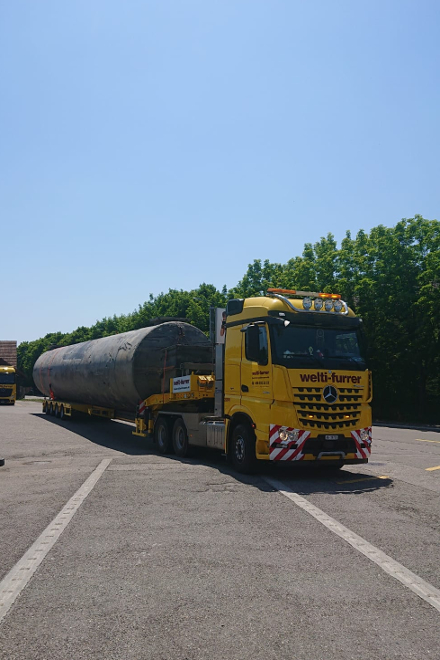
(326, 303)
(309, 294)
(333, 296)
(292, 291)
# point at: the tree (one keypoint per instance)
(390, 276)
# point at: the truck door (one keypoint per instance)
(256, 373)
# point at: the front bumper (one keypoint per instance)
(355, 448)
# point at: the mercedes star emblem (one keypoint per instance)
(330, 394)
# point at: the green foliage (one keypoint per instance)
(391, 277)
(258, 279)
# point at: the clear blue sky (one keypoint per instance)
(148, 145)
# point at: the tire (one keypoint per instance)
(51, 408)
(162, 436)
(57, 410)
(180, 439)
(47, 408)
(61, 411)
(242, 449)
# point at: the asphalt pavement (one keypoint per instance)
(175, 559)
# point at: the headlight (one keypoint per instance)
(293, 435)
(328, 305)
(337, 306)
(307, 303)
(288, 436)
(318, 304)
(365, 436)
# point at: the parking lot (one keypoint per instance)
(151, 556)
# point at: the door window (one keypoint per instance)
(256, 347)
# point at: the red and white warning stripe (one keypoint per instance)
(363, 447)
(141, 408)
(287, 450)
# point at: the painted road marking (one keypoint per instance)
(355, 481)
(18, 577)
(433, 468)
(437, 442)
(427, 591)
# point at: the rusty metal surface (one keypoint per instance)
(118, 371)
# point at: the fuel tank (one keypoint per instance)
(118, 371)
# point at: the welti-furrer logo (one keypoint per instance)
(330, 394)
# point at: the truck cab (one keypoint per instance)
(296, 384)
(8, 387)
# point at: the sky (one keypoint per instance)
(156, 144)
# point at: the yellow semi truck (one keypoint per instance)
(284, 379)
(8, 385)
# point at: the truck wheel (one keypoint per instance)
(162, 436)
(180, 439)
(61, 411)
(46, 408)
(242, 449)
(51, 408)
(57, 410)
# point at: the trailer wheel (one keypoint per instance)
(46, 408)
(242, 449)
(57, 410)
(61, 411)
(180, 438)
(51, 408)
(162, 436)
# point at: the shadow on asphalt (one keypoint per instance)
(299, 477)
(105, 433)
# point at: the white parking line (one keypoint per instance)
(18, 577)
(427, 591)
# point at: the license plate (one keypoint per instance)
(331, 437)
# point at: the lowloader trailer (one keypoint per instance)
(284, 379)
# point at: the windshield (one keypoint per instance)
(7, 379)
(294, 346)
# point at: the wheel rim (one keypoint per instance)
(240, 448)
(180, 439)
(162, 436)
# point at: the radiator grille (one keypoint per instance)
(5, 391)
(314, 413)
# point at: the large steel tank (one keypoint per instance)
(119, 371)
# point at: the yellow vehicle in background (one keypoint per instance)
(8, 387)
